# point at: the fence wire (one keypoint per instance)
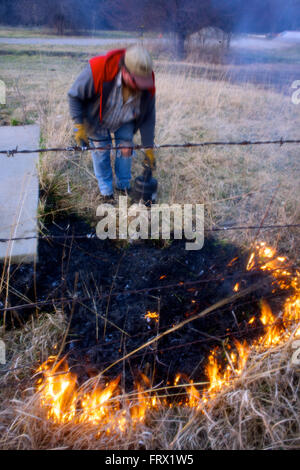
(281, 141)
(93, 236)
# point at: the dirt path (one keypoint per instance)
(67, 41)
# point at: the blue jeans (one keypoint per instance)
(102, 163)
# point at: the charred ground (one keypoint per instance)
(113, 287)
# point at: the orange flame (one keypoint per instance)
(57, 390)
(192, 393)
(96, 404)
(236, 287)
(152, 315)
(273, 332)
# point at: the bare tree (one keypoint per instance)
(182, 17)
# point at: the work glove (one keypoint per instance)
(149, 159)
(80, 135)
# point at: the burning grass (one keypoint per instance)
(242, 394)
(260, 410)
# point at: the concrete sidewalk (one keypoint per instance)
(19, 191)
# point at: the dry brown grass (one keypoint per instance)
(26, 347)
(236, 184)
(260, 410)
(32, 343)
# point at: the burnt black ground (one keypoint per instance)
(91, 268)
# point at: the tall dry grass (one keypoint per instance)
(238, 185)
(260, 410)
(26, 347)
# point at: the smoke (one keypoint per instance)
(255, 16)
(231, 15)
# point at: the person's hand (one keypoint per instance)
(150, 159)
(80, 135)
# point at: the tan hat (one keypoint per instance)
(138, 62)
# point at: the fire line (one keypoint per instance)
(107, 405)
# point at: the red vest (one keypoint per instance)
(105, 68)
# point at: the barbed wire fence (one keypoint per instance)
(281, 142)
(94, 235)
(72, 149)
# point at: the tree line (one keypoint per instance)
(182, 17)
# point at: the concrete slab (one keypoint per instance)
(19, 192)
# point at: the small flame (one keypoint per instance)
(152, 316)
(138, 412)
(232, 261)
(218, 379)
(193, 394)
(58, 390)
(250, 264)
(236, 287)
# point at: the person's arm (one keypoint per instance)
(81, 91)
(147, 128)
(147, 131)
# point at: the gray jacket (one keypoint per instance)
(84, 104)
